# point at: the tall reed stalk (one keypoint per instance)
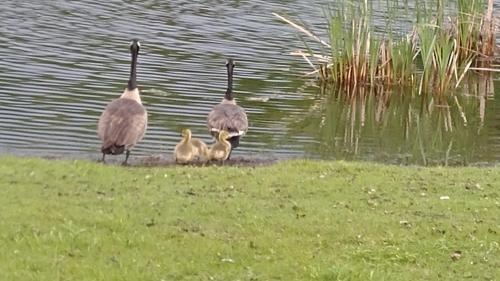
(444, 49)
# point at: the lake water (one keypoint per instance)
(63, 61)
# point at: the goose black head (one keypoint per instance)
(230, 63)
(134, 46)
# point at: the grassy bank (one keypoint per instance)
(297, 220)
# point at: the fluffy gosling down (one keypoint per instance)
(124, 120)
(189, 149)
(220, 150)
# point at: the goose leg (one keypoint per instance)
(126, 158)
(102, 159)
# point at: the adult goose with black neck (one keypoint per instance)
(227, 115)
(124, 120)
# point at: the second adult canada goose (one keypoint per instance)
(123, 123)
(188, 149)
(227, 115)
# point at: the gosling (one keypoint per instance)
(189, 149)
(220, 150)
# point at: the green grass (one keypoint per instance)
(296, 220)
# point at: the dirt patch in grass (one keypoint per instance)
(162, 160)
(240, 161)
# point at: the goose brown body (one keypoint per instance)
(123, 122)
(227, 115)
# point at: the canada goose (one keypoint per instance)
(123, 123)
(188, 149)
(222, 148)
(227, 115)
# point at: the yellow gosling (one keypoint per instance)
(221, 149)
(202, 149)
(189, 149)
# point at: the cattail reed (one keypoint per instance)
(435, 57)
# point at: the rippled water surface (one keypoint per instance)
(63, 61)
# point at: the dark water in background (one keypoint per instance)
(62, 61)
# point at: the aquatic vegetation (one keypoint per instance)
(449, 49)
(397, 125)
(436, 55)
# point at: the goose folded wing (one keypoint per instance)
(228, 117)
(123, 123)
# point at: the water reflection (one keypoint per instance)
(399, 126)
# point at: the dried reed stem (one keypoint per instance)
(302, 29)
